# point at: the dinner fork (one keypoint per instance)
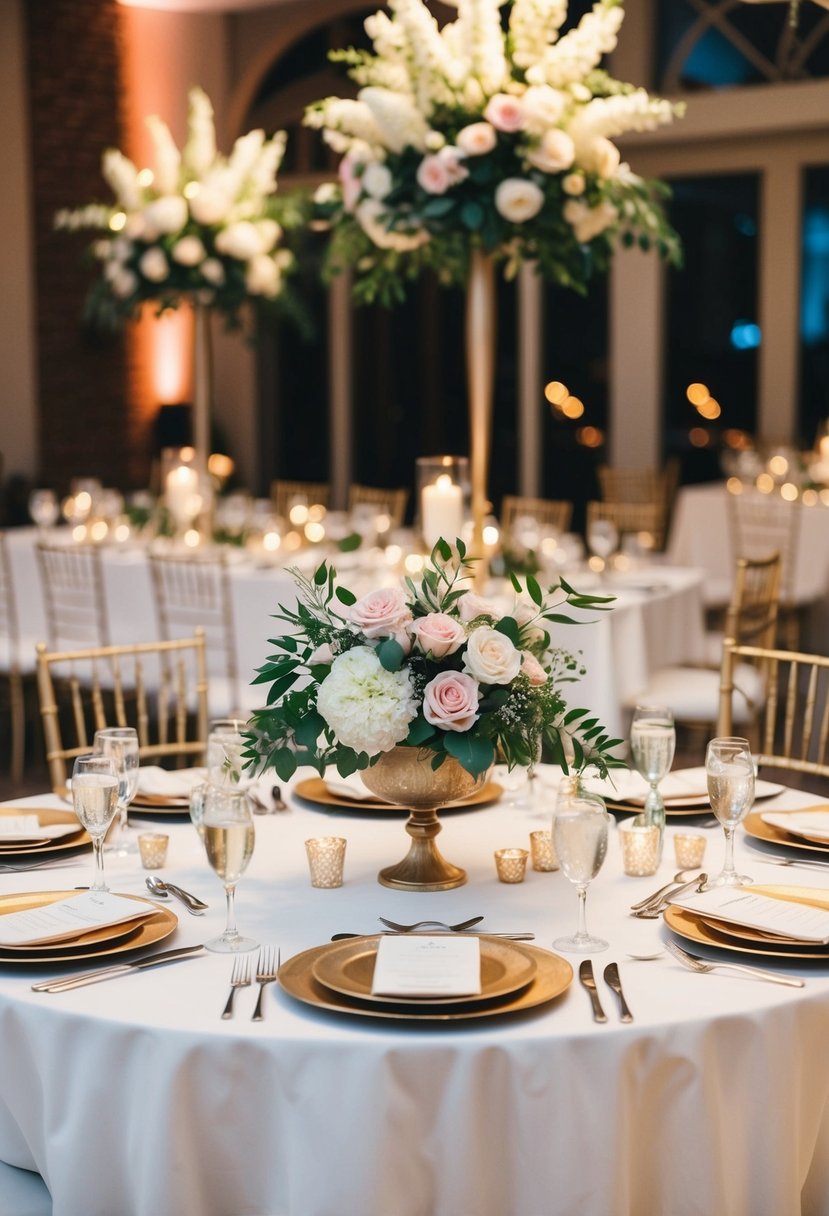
(266, 970)
(433, 924)
(697, 964)
(239, 978)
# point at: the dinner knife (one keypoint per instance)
(589, 981)
(107, 973)
(611, 978)
(513, 937)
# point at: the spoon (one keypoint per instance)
(165, 889)
(646, 958)
(431, 924)
(654, 910)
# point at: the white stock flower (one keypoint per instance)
(368, 708)
(518, 200)
(189, 251)
(122, 177)
(166, 215)
(479, 35)
(397, 117)
(244, 156)
(377, 180)
(154, 265)
(477, 139)
(372, 218)
(200, 149)
(262, 177)
(240, 241)
(490, 656)
(262, 276)
(431, 64)
(533, 25)
(555, 152)
(210, 203)
(166, 156)
(580, 50)
(351, 118)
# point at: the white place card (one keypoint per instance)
(67, 918)
(18, 828)
(422, 965)
(740, 906)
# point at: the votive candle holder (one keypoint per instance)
(641, 848)
(542, 851)
(689, 848)
(511, 864)
(326, 857)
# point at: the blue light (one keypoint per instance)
(745, 335)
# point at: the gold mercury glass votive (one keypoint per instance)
(640, 848)
(326, 855)
(153, 849)
(542, 851)
(690, 850)
(511, 864)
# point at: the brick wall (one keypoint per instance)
(74, 97)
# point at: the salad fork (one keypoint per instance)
(431, 924)
(266, 970)
(239, 978)
(697, 964)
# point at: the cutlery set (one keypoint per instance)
(654, 905)
(613, 981)
(267, 969)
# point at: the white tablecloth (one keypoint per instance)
(657, 620)
(134, 1097)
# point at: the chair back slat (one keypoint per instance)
(73, 594)
(550, 512)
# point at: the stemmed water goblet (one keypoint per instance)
(580, 827)
(44, 508)
(95, 801)
(228, 835)
(729, 769)
(602, 540)
(652, 744)
(120, 743)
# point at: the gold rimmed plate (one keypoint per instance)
(314, 790)
(757, 827)
(158, 925)
(348, 968)
(45, 816)
(553, 976)
(161, 804)
(694, 929)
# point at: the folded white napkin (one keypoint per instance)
(813, 825)
(169, 783)
(20, 828)
(349, 787)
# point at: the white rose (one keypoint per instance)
(166, 215)
(325, 193)
(124, 283)
(154, 265)
(490, 657)
(472, 605)
(209, 205)
(602, 156)
(574, 184)
(189, 251)
(555, 152)
(213, 271)
(239, 240)
(262, 277)
(269, 233)
(477, 139)
(543, 107)
(376, 180)
(518, 200)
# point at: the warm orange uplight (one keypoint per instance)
(699, 437)
(697, 394)
(556, 392)
(170, 339)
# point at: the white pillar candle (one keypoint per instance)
(181, 493)
(441, 510)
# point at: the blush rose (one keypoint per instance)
(437, 634)
(450, 701)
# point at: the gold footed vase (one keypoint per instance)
(405, 776)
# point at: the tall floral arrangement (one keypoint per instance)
(489, 134)
(428, 665)
(195, 225)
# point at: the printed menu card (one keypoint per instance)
(422, 965)
(68, 918)
(804, 922)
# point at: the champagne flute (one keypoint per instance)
(652, 742)
(120, 743)
(228, 835)
(729, 768)
(580, 841)
(95, 801)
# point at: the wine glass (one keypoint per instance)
(580, 841)
(652, 742)
(225, 744)
(227, 832)
(120, 743)
(602, 539)
(44, 508)
(729, 768)
(95, 801)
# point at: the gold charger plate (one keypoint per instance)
(314, 789)
(693, 929)
(155, 928)
(160, 804)
(348, 968)
(45, 815)
(553, 976)
(757, 827)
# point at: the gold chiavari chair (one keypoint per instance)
(793, 728)
(73, 593)
(15, 665)
(643, 519)
(549, 512)
(390, 502)
(285, 494)
(693, 693)
(638, 485)
(160, 688)
(762, 524)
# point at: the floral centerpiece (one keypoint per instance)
(428, 665)
(196, 226)
(486, 135)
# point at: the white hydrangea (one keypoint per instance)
(368, 708)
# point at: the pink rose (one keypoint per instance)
(506, 113)
(433, 175)
(472, 605)
(438, 634)
(383, 613)
(532, 669)
(452, 158)
(450, 701)
(322, 654)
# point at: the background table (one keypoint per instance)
(134, 1097)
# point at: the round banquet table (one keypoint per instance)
(134, 1097)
